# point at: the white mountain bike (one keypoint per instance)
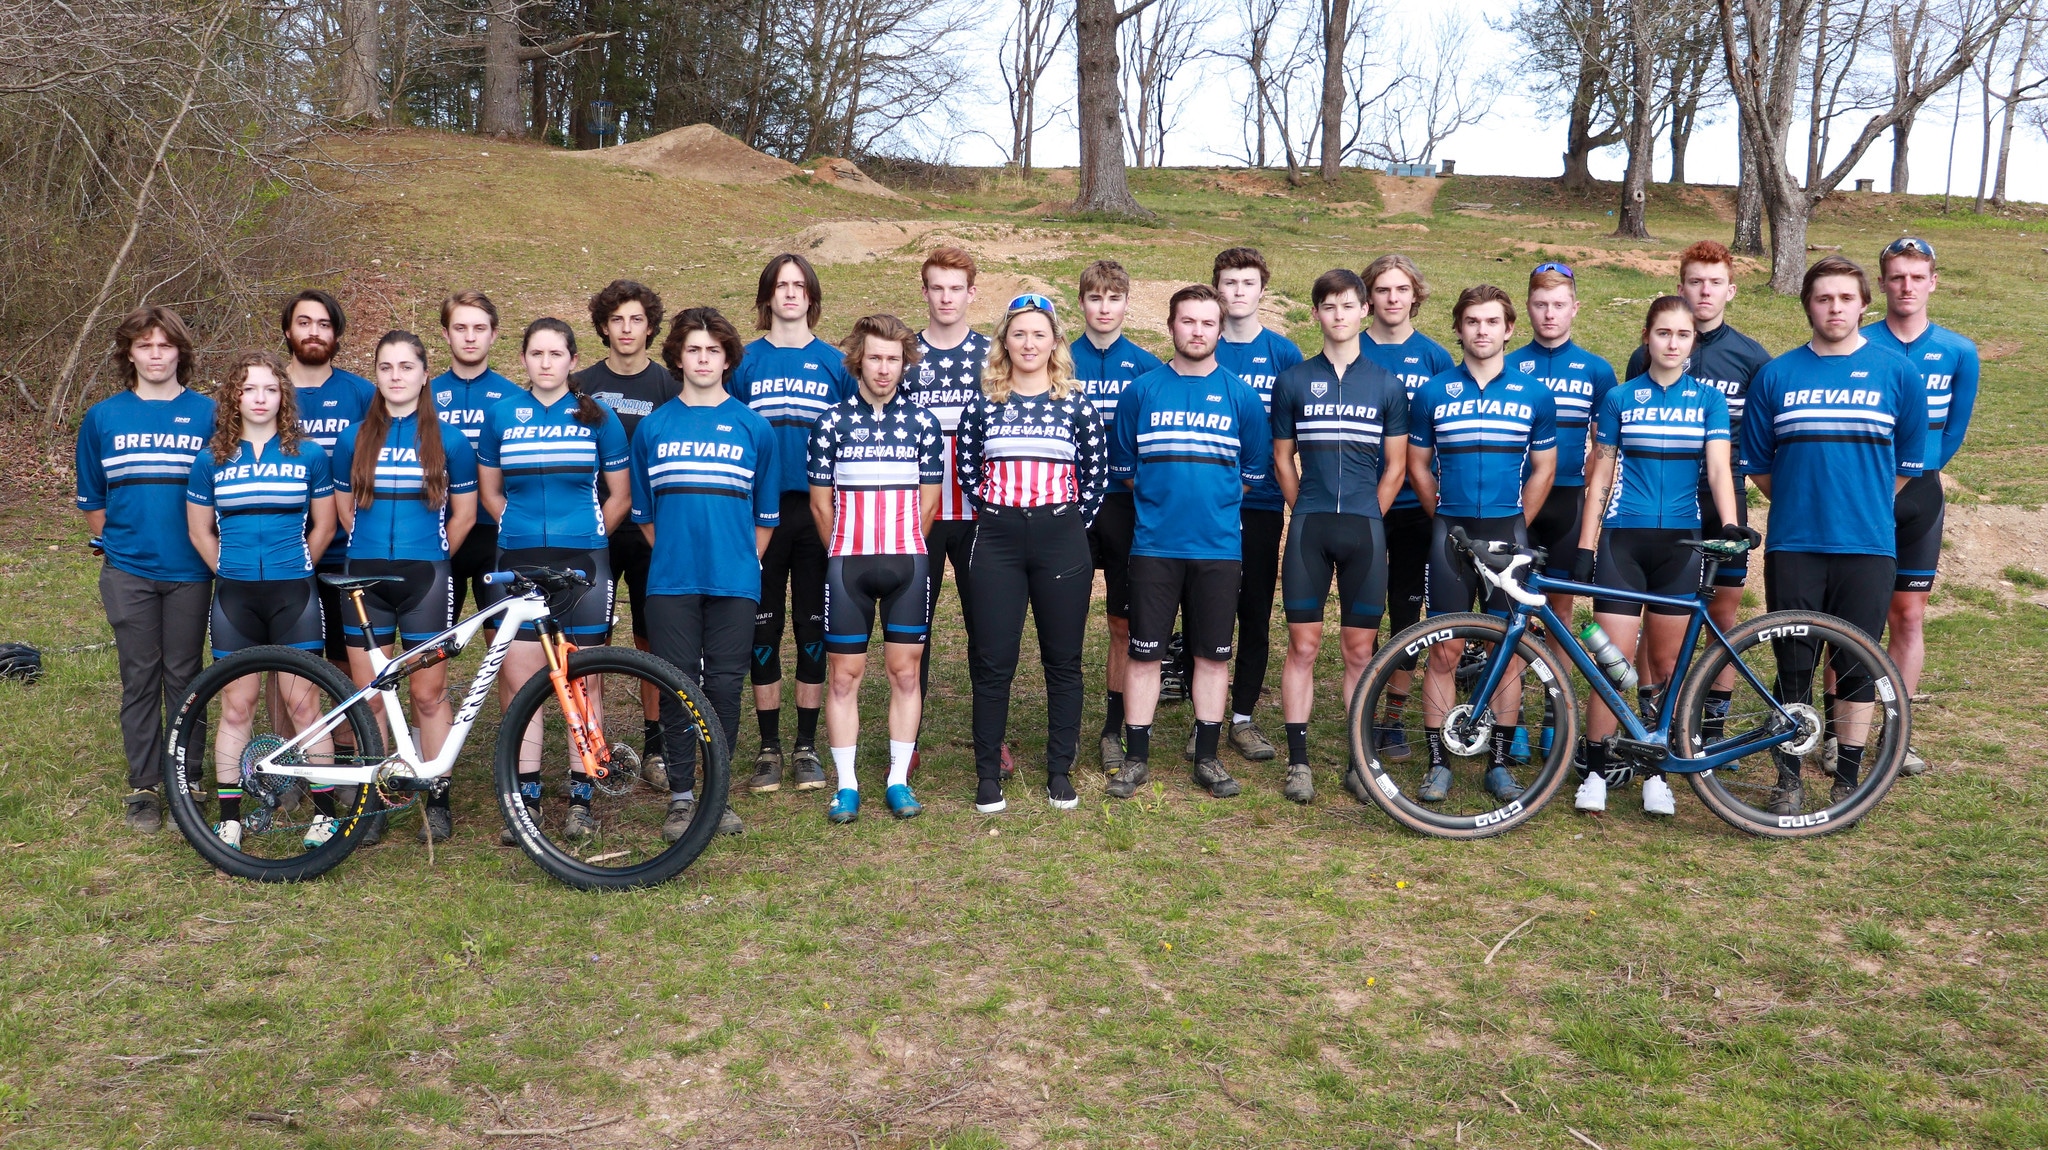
(302, 726)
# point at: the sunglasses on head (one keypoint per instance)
(1032, 300)
(1564, 270)
(1905, 244)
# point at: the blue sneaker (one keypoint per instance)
(1393, 744)
(1436, 786)
(902, 803)
(1501, 784)
(845, 806)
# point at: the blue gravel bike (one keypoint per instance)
(1478, 673)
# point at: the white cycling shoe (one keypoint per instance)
(1592, 794)
(319, 831)
(1657, 797)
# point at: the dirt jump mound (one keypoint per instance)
(698, 152)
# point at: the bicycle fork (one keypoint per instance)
(589, 741)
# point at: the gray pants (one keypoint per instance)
(159, 635)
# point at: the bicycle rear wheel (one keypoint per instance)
(1788, 650)
(235, 713)
(619, 842)
(1533, 704)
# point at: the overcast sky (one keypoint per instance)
(1519, 138)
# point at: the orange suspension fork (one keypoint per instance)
(589, 741)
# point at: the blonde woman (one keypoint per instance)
(1033, 460)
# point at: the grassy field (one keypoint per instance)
(1174, 971)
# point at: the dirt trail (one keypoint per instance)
(1407, 195)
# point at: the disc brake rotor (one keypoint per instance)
(1462, 735)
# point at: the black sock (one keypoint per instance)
(1596, 759)
(770, 719)
(650, 736)
(1297, 743)
(1848, 763)
(1113, 714)
(807, 726)
(1396, 703)
(1138, 742)
(1715, 722)
(1503, 742)
(323, 800)
(1827, 709)
(1434, 736)
(230, 804)
(438, 799)
(1206, 737)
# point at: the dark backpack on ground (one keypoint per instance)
(20, 661)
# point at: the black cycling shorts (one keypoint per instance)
(1920, 513)
(476, 558)
(332, 611)
(627, 559)
(1648, 559)
(1109, 548)
(857, 585)
(1854, 588)
(1407, 535)
(1453, 583)
(1556, 529)
(1352, 549)
(1726, 574)
(252, 613)
(415, 610)
(587, 621)
(1160, 588)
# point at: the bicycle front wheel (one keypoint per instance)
(1788, 791)
(236, 713)
(613, 832)
(1532, 711)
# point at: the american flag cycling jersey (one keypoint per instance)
(874, 462)
(1032, 451)
(944, 382)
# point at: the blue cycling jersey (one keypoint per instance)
(1481, 435)
(1832, 432)
(705, 478)
(1578, 380)
(791, 387)
(1190, 445)
(1947, 365)
(1661, 433)
(260, 499)
(133, 459)
(398, 524)
(1723, 359)
(1259, 362)
(324, 413)
(1338, 425)
(551, 462)
(1105, 373)
(462, 404)
(1414, 361)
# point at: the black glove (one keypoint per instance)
(1582, 565)
(1748, 535)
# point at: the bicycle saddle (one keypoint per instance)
(358, 582)
(1719, 549)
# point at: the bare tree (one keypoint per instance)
(1572, 54)
(1836, 45)
(362, 28)
(1697, 82)
(1104, 187)
(504, 55)
(1336, 22)
(1439, 94)
(1646, 29)
(1764, 47)
(1908, 31)
(1034, 38)
(1157, 46)
(1265, 37)
(2028, 83)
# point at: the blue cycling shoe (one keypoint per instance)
(902, 803)
(1436, 785)
(1393, 744)
(845, 806)
(1501, 784)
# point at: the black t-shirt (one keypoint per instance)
(629, 396)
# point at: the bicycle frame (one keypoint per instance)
(1530, 602)
(387, 672)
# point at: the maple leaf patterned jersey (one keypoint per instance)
(1660, 432)
(706, 478)
(462, 404)
(260, 499)
(1339, 425)
(1104, 373)
(1948, 366)
(551, 465)
(1832, 431)
(133, 459)
(1481, 435)
(398, 524)
(944, 382)
(324, 413)
(1033, 451)
(791, 387)
(875, 462)
(1414, 361)
(1578, 380)
(1258, 362)
(1190, 445)
(1723, 359)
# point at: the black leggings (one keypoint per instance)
(1261, 554)
(950, 539)
(792, 576)
(706, 637)
(1854, 588)
(1039, 556)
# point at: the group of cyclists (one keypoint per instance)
(741, 490)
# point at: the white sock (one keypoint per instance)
(899, 761)
(842, 761)
(674, 796)
(1236, 718)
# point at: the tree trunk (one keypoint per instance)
(2019, 65)
(1749, 203)
(1788, 211)
(1680, 137)
(1578, 148)
(1900, 131)
(540, 113)
(501, 71)
(360, 29)
(1336, 33)
(1633, 217)
(1104, 186)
